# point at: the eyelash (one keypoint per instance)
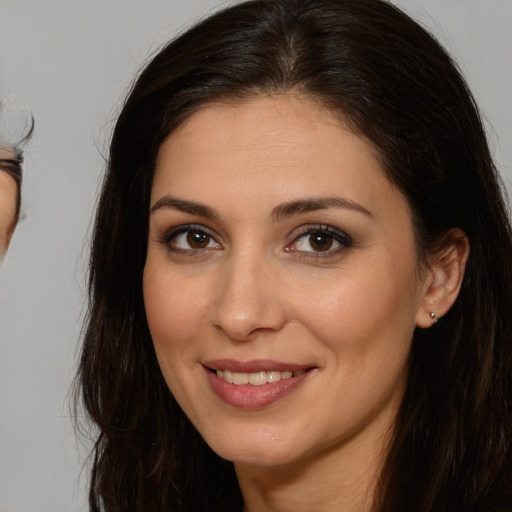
(335, 235)
(172, 235)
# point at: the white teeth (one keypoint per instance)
(256, 378)
(273, 376)
(240, 378)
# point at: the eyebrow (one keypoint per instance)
(313, 204)
(183, 205)
(280, 212)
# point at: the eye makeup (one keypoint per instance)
(312, 240)
(319, 240)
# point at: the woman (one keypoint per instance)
(300, 276)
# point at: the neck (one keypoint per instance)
(344, 478)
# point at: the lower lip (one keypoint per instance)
(247, 396)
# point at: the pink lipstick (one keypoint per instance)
(254, 384)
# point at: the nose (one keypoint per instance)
(248, 301)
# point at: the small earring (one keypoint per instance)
(433, 317)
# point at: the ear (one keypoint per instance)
(443, 279)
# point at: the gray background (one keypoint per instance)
(69, 62)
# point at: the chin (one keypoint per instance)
(256, 446)
(254, 456)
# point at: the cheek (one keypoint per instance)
(173, 309)
(172, 312)
(369, 307)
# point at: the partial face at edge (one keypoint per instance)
(8, 194)
(278, 245)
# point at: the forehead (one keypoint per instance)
(270, 120)
(271, 144)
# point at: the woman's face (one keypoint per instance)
(281, 284)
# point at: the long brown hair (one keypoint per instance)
(393, 83)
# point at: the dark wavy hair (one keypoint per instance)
(392, 82)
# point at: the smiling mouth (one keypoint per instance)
(256, 384)
(256, 378)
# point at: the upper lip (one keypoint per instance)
(255, 365)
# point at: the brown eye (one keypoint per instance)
(190, 239)
(198, 239)
(321, 241)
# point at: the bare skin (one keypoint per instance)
(8, 191)
(276, 241)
